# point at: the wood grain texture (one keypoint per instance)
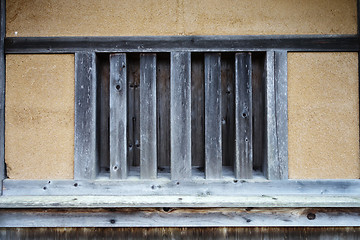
(148, 137)
(213, 135)
(180, 110)
(196, 187)
(86, 165)
(312, 43)
(166, 233)
(243, 164)
(118, 117)
(262, 201)
(323, 115)
(39, 116)
(184, 17)
(181, 217)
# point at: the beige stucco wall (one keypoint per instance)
(179, 17)
(323, 95)
(39, 125)
(323, 115)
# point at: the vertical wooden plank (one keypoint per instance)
(275, 163)
(148, 149)
(213, 139)
(271, 151)
(118, 116)
(180, 115)
(86, 164)
(2, 93)
(243, 164)
(281, 105)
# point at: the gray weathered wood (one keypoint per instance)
(148, 148)
(169, 217)
(261, 201)
(180, 114)
(86, 165)
(276, 162)
(271, 155)
(197, 187)
(281, 104)
(213, 138)
(302, 43)
(118, 116)
(243, 165)
(2, 92)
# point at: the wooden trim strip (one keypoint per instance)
(302, 43)
(181, 217)
(180, 114)
(86, 164)
(118, 116)
(243, 116)
(165, 187)
(270, 201)
(148, 148)
(213, 134)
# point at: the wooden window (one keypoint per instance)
(128, 88)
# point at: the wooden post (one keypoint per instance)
(118, 116)
(276, 157)
(243, 164)
(213, 145)
(86, 164)
(180, 115)
(148, 149)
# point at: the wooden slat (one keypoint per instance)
(118, 116)
(165, 187)
(261, 201)
(180, 112)
(281, 103)
(302, 43)
(276, 162)
(170, 217)
(243, 165)
(148, 149)
(213, 139)
(86, 164)
(2, 92)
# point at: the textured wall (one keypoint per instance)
(323, 115)
(39, 137)
(323, 97)
(180, 17)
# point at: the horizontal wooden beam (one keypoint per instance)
(180, 217)
(262, 201)
(35, 45)
(164, 187)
